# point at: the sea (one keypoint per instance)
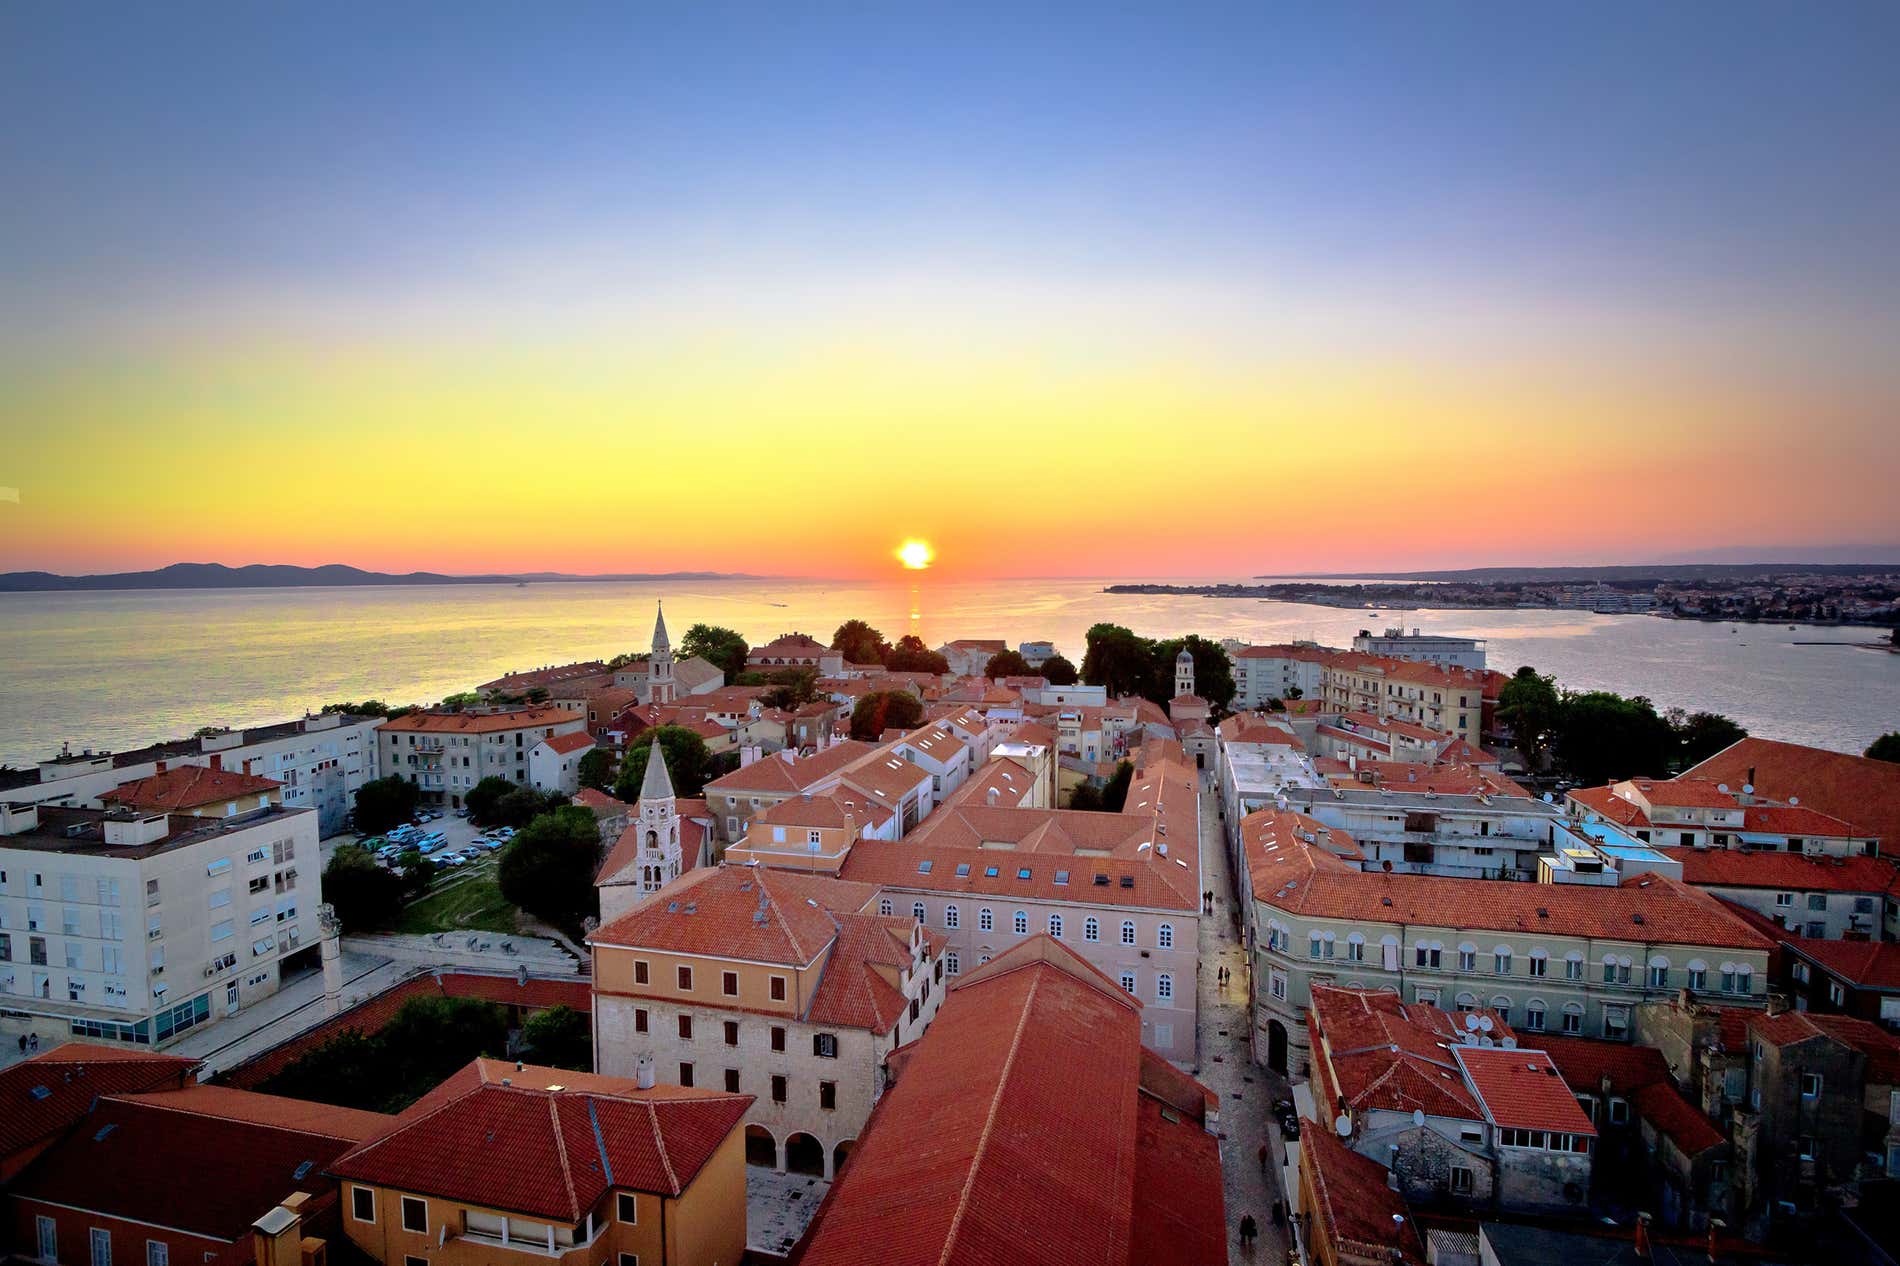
(116, 670)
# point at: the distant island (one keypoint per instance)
(1834, 593)
(281, 576)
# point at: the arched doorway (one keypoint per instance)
(839, 1155)
(760, 1147)
(804, 1155)
(1276, 1046)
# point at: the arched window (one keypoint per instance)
(1021, 923)
(951, 963)
(985, 921)
(917, 911)
(1698, 974)
(1573, 1017)
(1128, 932)
(1467, 1002)
(1091, 929)
(883, 905)
(1534, 1015)
(1501, 960)
(1055, 926)
(1313, 943)
(1467, 957)
(1539, 961)
(1502, 1005)
(1164, 936)
(951, 916)
(1658, 972)
(1164, 987)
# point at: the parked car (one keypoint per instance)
(503, 833)
(392, 850)
(451, 859)
(373, 843)
(431, 842)
(460, 812)
(402, 832)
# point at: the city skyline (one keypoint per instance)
(1182, 293)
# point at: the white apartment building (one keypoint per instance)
(320, 760)
(446, 753)
(135, 927)
(1430, 648)
(1262, 673)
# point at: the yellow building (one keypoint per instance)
(504, 1163)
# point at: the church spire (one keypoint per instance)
(660, 642)
(658, 784)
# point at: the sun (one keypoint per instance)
(916, 555)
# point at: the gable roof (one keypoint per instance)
(568, 744)
(1853, 788)
(480, 721)
(758, 913)
(1520, 1089)
(43, 1095)
(1357, 1206)
(783, 776)
(569, 1139)
(1789, 1027)
(187, 787)
(1863, 964)
(1381, 1052)
(1751, 868)
(1022, 1106)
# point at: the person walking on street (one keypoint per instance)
(1265, 1154)
(1248, 1230)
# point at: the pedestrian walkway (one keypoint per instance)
(1227, 1068)
(297, 1006)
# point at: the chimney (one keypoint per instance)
(278, 1237)
(1777, 1002)
(217, 760)
(158, 767)
(643, 1074)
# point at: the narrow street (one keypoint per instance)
(1227, 1068)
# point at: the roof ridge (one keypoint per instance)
(399, 1126)
(659, 1145)
(560, 1151)
(989, 1122)
(139, 1099)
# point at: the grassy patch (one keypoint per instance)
(474, 904)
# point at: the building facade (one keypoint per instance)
(446, 753)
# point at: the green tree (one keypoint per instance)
(910, 655)
(384, 802)
(1007, 664)
(686, 762)
(462, 700)
(560, 1037)
(1118, 660)
(386, 1071)
(1115, 794)
(1700, 735)
(1213, 671)
(1886, 747)
(1058, 671)
(367, 708)
(596, 770)
(365, 895)
(885, 710)
(523, 805)
(1603, 737)
(1086, 798)
(790, 688)
(548, 869)
(1294, 692)
(1529, 705)
(750, 677)
(860, 643)
(484, 796)
(719, 646)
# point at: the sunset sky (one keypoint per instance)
(1116, 290)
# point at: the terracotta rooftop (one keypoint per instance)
(187, 787)
(567, 1144)
(480, 721)
(44, 1094)
(1522, 1089)
(782, 776)
(1879, 1046)
(1749, 868)
(1858, 790)
(1028, 1089)
(1359, 1209)
(1383, 1053)
(1863, 964)
(716, 911)
(568, 744)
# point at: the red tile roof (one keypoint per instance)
(1639, 1074)
(1663, 1106)
(1879, 1046)
(1799, 820)
(484, 721)
(1748, 868)
(134, 1160)
(1380, 1052)
(715, 912)
(1303, 879)
(43, 1095)
(1863, 964)
(782, 776)
(187, 787)
(1520, 1089)
(565, 1147)
(567, 744)
(226, 1103)
(1858, 790)
(1682, 793)
(599, 801)
(1360, 1212)
(1022, 1107)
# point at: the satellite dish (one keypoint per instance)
(1484, 1022)
(1748, 788)
(1793, 800)
(1722, 787)
(1471, 1022)
(1342, 1126)
(1549, 799)
(1418, 1116)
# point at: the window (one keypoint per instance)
(629, 1259)
(884, 906)
(1020, 921)
(1659, 975)
(363, 1204)
(1428, 956)
(1091, 929)
(828, 1095)
(732, 1032)
(778, 989)
(951, 916)
(1128, 981)
(985, 920)
(1807, 1154)
(778, 1087)
(1467, 959)
(1817, 901)
(732, 1081)
(1573, 1018)
(1313, 944)
(778, 1039)
(1538, 964)
(685, 978)
(1616, 1022)
(686, 1028)
(1356, 951)
(686, 1074)
(639, 1019)
(1461, 1184)
(639, 971)
(1810, 1085)
(1619, 1111)
(1534, 1017)
(1836, 994)
(627, 1208)
(415, 1214)
(1055, 926)
(1698, 977)
(1784, 900)
(1573, 969)
(729, 983)
(1164, 987)
(917, 911)
(1501, 962)
(101, 1246)
(824, 1045)
(157, 1253)
(951, 962)
(1164, 936)
(1128, 932)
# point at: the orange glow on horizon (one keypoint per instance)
(915, 555)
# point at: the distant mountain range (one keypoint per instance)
(280, 576)
(1644, 571)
